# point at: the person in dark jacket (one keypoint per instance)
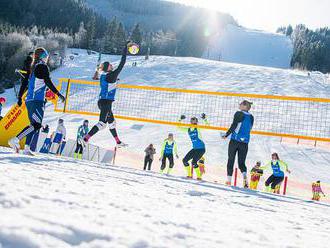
(240, 131)
(26, 72)
(149, 157)
(108, 84)
(39, 82)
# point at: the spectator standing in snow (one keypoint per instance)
(149, 157)
(82, 131)
(317, 190)
(256, 174)
(58, 137)
(240, 131)
(26, 71)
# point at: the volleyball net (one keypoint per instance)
(282, 116)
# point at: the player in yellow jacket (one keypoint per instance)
(256, 173)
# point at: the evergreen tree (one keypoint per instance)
(136, 34)
(91, 30)
(289, 30)
(80, 38)
(110, 36)
(120, 40)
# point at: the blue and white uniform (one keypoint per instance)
(37, 87)
(195, 137)
(243, 129)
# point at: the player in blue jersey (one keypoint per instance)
(169, 149)
(198, 150)
(108, 85)
(39, 83)
(278, 167)
(240, 131)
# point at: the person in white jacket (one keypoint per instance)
(58, 137)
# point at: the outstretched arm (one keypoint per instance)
(122, 62)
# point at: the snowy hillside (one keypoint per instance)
(306, 162)
(240, 45)
(56, 202)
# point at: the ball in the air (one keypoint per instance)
(133, 48)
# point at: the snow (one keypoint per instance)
(58, 202)
(252, 47)
(306, 162)
(48, 201)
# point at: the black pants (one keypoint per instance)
(194, 155)
(170, 159)
(147, 162)
(106, 114)
(35, 111)
(79, 148)
(242, 150)
(273, 181)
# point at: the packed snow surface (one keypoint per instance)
(252, 47)
(57, 202)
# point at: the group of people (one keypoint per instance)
(239, 133)
(36, 81)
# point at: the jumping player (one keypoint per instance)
(82, 131)
(239, 141)
(108, 84)
(169, 148)
(198, 150)
(39, 81)
(278, 167)
(256, 173)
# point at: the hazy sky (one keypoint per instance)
(270, 14)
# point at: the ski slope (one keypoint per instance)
(49, 201)
(306, 162)
(253, 47)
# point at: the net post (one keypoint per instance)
(66, 96)
(285, 185)
(114, 156)
(235, 177)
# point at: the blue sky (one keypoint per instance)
(270, 14)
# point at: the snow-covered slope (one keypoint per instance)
(306, 162)
(246, 46)
(57, 202)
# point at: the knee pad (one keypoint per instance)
(101, 125)
(36, 125)
(112, 125)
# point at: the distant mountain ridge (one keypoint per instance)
(155, 14)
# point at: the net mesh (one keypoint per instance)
(273, 115)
